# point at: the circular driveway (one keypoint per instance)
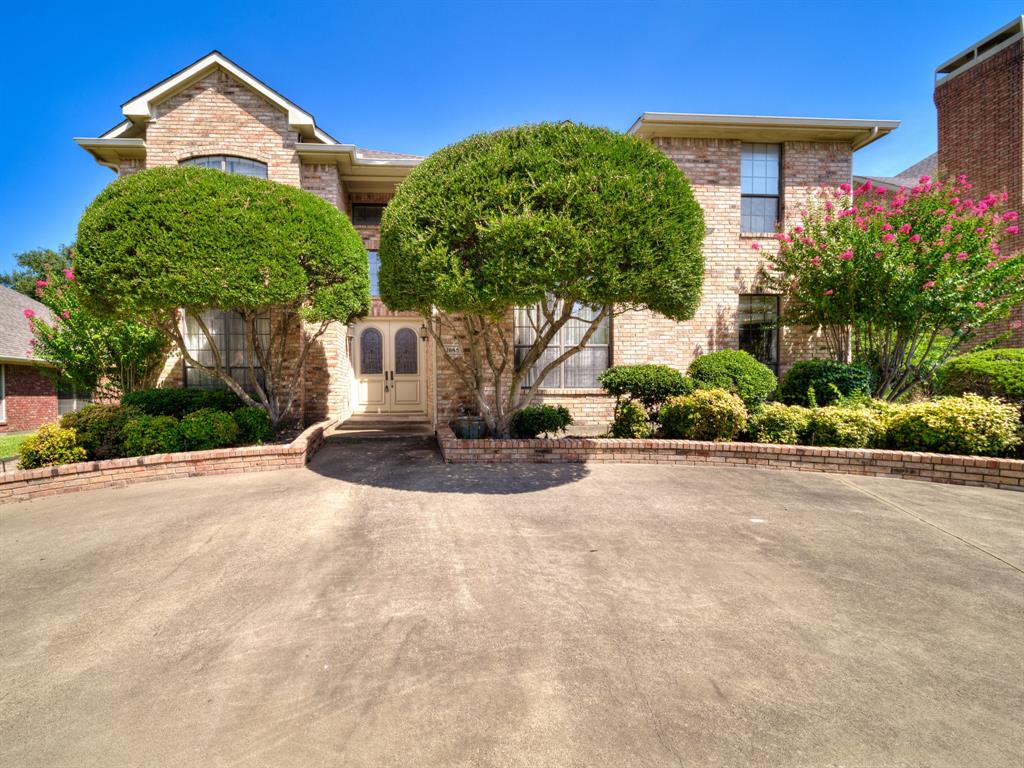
(383, 608)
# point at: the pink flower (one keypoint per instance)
(879, 190)
(878, 254)
(905, 229)
(844, 187)
(756, 246)
(945, 256)
(979, 230)
(769, 265)
(1017, 324)
(1010, 216)
(887, 226)
(29, 313)
(41, 283)
(915, 238)
(925, 179)
(69, 274)
(928, 284)
(829, 292)
(32, 342)
(992, 264)
(1013, 229)
(816, 260)
(798, 229)
(889, 238)
(846, 255)
(66, 314)
(939, 211)
(961, 179)
(962, 256)
(980, 304)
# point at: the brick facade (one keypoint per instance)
(30, 398)
(981, 134)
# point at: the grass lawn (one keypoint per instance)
(11, 444)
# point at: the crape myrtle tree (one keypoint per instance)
(170, 239)
(96, 354)
(577, 223)
(899, 280)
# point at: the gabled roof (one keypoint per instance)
(762, 128)
(15, 332)
(139, 109)
(908, 177)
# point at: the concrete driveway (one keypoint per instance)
(381, 608)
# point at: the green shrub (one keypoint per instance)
(172, 401)
(49, 446)
(540, 419)
(151, 434)
(840, 427)
(206, 428)
(631, 420)
(99, 428)
(734, 371)
(650, 385)
(970, 425)
(992, 373)
(707, 414)
(778, 423)
(829, 380)
(253, 425)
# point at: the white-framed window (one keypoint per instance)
(3, 393)
(243, 166)
(228, 331)
(759, 187)
(580, 371)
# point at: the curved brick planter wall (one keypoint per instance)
(1007, 474)
(20, 485)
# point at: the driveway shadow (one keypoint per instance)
(415, 464)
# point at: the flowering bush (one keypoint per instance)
(914, 273)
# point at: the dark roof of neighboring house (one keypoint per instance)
(908, 177)
(15, 333)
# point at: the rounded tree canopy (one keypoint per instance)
(199, 238)
(502, 219)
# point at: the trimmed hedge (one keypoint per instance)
(829, 381)
(172, 401)
(535, 420)
(840, 427)
(151, 434)
(206, 429)
(631, 420)
(253, 425)
(992, 373)
(778, 423)
(707, 414)
(99, 428)
(737, 372)
(49, 446)
(650, 385)
(970, 425)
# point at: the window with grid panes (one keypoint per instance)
(759, 328)
(581, 370)
(227, 329)
(759, 187)
(243, 166)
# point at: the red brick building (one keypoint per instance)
(979, 96)
(751, 174)
(28, 398)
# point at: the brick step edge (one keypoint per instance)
(24, 484)
(1005, 474)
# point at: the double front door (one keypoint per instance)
(388, 358)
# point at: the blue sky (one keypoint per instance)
(412, 77)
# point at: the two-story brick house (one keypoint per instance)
(750, 175)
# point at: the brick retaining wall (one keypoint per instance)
(1007, 474)
(20, 485)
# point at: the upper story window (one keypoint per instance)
(243, 166)
(367, 214)
(759, 187)
(374, 272)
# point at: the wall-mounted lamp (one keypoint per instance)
(423, 332)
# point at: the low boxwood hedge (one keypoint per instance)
(992, 373)
(172, 401)
(737, 372)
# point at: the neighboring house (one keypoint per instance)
(28, 398)
(908, 177)
(750, 174)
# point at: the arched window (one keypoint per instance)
(406, 351)
(371, 352)
(243, 166)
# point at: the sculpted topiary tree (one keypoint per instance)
(193, 239)
(579, 222)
